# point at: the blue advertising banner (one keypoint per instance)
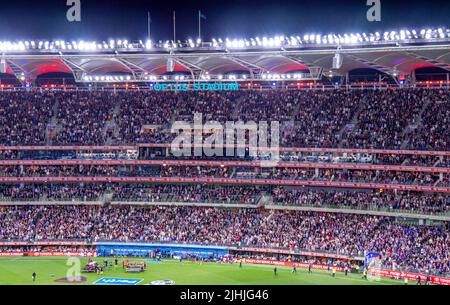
(159, 250)
(117, 281)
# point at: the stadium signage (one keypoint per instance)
(43, 243)
(117, 281)
(10, 254)
(227, 163)
(396, 274)
(48, 253)
(162, 282)
(198, 86)
(288, 149)
(293, 251)
(287, 264)
(404, 187)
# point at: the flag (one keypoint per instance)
(201, 15)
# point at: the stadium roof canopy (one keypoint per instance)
(231, 60)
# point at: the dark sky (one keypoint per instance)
(127, 19)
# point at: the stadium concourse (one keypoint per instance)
(362, 171)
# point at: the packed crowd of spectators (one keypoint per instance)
(269, 105)
(320, 117)
(384, 117)
(389, 200)
(188, 193)
(59, 171)
(82, 117)
(411, 246)
(198, 193)
(445, 180)
(412, 201)
(24, 117)
(56, 191)
(416, 118)
(9, 154)
(434, 131)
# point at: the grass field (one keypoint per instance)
(48, 269)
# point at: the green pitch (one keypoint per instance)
(49, 269)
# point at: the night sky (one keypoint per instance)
(105, 19)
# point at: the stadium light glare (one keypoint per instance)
(264, 41)
(318, 39)
(277, 41)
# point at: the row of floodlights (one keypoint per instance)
(265, 42)
(267, 76)
(335, 39)
(60, 45)
(106, 78)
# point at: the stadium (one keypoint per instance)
(116, 168)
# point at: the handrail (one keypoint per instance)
(283, 149)
(438, 216)
(211, 163)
